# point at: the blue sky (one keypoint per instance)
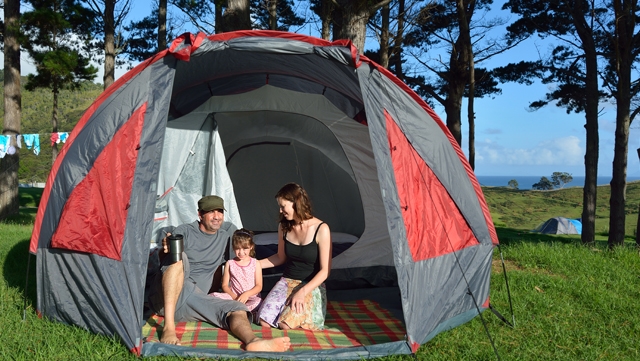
(510, 139)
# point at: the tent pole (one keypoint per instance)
(26, 288)
(506, 281)
(484, 324)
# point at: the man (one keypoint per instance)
(180, 290)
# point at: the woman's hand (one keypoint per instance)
(297, 300)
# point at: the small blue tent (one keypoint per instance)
(560, 225)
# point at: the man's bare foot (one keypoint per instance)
(279, 344)
(169, 337)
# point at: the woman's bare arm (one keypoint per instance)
(280, 257)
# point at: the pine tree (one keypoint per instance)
(54, 33)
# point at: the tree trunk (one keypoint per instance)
(458, 73)
(453, 107)
(54, 125)
(218, 10)
(236, 16)
(273, 14)
(354, 17)
(471, 115)
(162, 25)
(397, 41)
(109, 43)
(384, 38)
(327, 10)
(623, 41)
(590, 189)
(465, 11)
(9, 199)
(638, 228)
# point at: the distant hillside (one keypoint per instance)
(526, 209)
(37, 109)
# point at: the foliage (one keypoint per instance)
(438, 30)
(36, 113)
(99, 12)
(559, 179)
(53, 34)
(201, 14)
(286, 15)
(142, 41)
(543, 185)
(564, 67)
(513, 184)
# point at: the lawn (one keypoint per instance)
(570, 302)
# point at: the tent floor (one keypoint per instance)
(387, 297)
(356, 319)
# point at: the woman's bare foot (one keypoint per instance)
(169, 337)
(283, 326)
(279, 344)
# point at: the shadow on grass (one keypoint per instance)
(26, 216)
(15, 270)
(30, 197)
(508, 236)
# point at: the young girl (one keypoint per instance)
(242, 277)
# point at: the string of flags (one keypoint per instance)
(31, 141)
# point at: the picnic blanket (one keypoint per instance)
(348, 324)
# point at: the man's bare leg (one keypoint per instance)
(241, 328)
(172, 282)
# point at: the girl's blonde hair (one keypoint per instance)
(243, 238)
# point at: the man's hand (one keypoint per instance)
(165, 246)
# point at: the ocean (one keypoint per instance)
(526, 182)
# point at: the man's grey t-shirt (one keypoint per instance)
(206, 252)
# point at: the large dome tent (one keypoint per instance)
(238, 115)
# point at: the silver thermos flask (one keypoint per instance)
(176, 244)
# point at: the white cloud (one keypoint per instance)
(565, 151)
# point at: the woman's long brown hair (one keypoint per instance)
(293, 192)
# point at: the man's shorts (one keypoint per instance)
(193, 304)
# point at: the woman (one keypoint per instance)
(298, 300)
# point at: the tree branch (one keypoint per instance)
(374, 8)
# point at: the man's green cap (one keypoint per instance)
(210, 203)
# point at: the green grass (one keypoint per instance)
(526, 209)
(571, 302)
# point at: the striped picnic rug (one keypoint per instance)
(348, 324)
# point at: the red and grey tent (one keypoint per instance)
(240, 114)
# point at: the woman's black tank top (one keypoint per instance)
(303, 262)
